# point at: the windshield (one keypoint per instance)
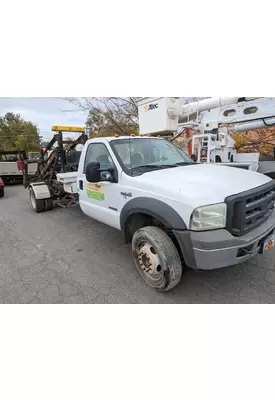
(137, 156)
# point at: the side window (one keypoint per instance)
(98, 152)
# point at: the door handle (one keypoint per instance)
(81, 185)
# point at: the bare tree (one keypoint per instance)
(109, 115)
(258, 140)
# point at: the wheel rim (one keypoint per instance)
(32, 198)
(149, 263)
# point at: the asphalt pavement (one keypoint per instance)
(62, 256)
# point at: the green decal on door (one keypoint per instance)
(95, 191)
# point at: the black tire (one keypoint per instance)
(2, 192)
(48, 204)
(151, 246)
(37, 205)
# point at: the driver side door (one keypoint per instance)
(100, 200)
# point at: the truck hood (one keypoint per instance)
(202, 183)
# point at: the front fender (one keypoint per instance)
(155, 208)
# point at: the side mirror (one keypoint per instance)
(92, 172)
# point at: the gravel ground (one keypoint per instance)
(63, 257)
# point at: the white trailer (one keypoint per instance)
(9, 169)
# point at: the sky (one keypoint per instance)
(44, 111)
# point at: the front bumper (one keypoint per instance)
(218, 249)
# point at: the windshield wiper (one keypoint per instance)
(179, 164)
(153, 166)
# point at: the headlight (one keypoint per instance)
(208, 217)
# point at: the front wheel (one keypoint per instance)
(156, 258)
(2, 192)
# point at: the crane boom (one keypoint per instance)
(254, 114)
(215, 144)
(164, 116)
(192, 110)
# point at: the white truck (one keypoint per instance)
(9, 170)
(173, 211)
(214, 118)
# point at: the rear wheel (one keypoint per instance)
(48, 203)
(2, 192)
(38, 205)
(156, 258)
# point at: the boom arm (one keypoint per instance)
(247, 115)
(191, 111)
(215, 144)
(165, 115)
